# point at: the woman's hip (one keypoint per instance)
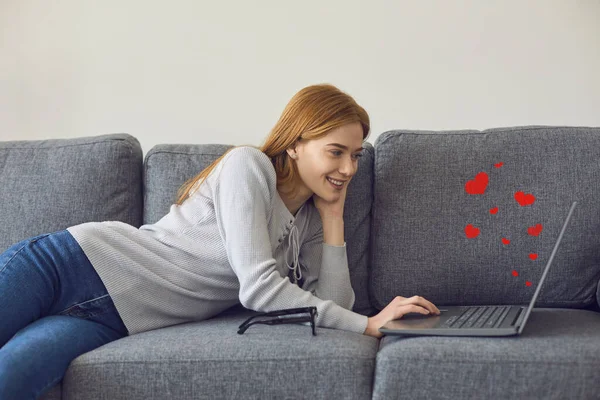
(55, 266)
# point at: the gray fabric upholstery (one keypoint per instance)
(598, 295)
(421, 208)
(55, 393)
(209, 360)
(167, 167)
(357, 229)
(556, 357)
(408, 204)
(48, 185)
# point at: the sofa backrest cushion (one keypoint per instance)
(168, 166)
(426, 194)
(49, 185)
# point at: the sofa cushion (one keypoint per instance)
(48, 185)
(422, 207)
(168, 166)
(209, 360)
(52, 394)
(556, 357)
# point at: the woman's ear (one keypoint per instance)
(293, 150)
(292, 153)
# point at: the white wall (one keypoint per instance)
(186, 71)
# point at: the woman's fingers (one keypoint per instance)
(413, 308)
(396, 309)
(420, 301)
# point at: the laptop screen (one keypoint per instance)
(541, 282)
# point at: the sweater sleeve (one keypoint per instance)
(243, 199)
(328, 275)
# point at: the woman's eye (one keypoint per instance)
(338, 153)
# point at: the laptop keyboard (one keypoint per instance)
(478, 317)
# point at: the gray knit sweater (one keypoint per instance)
(233, 241)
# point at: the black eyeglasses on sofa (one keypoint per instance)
(288, 316)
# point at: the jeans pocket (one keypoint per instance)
(90, 308)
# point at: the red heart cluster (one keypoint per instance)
(477, 186)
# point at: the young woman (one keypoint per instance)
(261, 227)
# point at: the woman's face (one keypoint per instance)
(326, 165)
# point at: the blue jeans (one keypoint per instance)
(53, 308)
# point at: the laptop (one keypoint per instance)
(507, 320)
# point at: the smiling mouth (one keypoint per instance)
(336, 183)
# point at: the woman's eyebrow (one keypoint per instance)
(341, 146)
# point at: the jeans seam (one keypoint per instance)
(21, 249)
(38, 238)
(13, 257)
(48, 386)
(83, 302)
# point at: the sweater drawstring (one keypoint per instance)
(295, 247)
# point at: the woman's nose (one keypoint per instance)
(348, 168)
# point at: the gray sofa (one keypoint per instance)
(405, 216)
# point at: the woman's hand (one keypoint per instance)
(332, 216)
(331, 209)
(398, 308)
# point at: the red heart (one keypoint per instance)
(494, 210)
(528, 283)
(477, 185)
(524, 199)
(534, 230)
(471, 231)
(505, 241)
(533, 256)
(515, 273)
(499, 165)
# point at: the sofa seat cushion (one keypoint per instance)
(210, 360)
(556, 357)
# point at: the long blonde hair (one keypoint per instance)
(312, 113)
